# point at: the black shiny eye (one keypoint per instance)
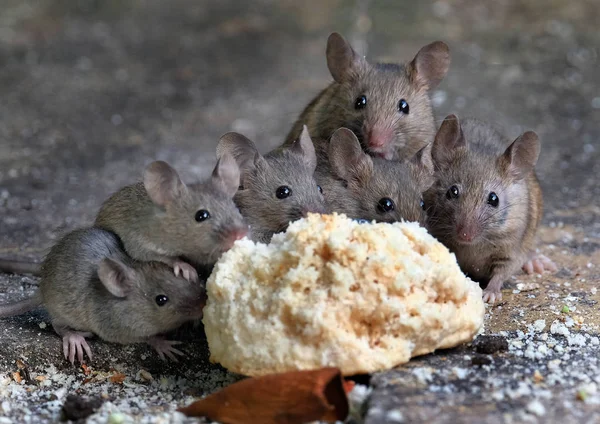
(452, 193)
(161, 300)
(422, 205)
(320, 189)
(385, 205)
(403, 107)
(202, 215)
(283, 192)
(360, 103)
(493, 200)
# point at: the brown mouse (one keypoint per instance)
(276, 188)
(90, 286)
(386, 105)
(370, 188)
(486, 203)
(163, 219)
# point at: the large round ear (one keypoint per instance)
(430, 65)
(521, 156)
(422, 159)
(347, 159)
(342, 60)
(242, 149)
(162, 183)
(448, 138)
(226, 175)
(306, 149)
(117, 277)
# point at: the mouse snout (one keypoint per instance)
(234, 235)
(378, 139)
(466, 232)
(320, 209)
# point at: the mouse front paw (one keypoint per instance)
(165, 348)
(492, 296)
(186, 270)
(538, 264)
(74, 343)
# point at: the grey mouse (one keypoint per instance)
(90, 286)
(386, 105)
(163, 219)
(486, 203)
(370, 188)
(276, 188)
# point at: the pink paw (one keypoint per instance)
(492, 295)
(165, 347)
(187, 271)
(539, 264)
(74, 343)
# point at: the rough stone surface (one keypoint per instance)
(93, 90)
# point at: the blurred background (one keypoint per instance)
(93, 90)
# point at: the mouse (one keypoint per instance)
(486, 202)
(90, 286)
(369, 188)
(185, 226)
(276, 188)
(386, 105)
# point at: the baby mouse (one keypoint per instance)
(163, 219)
(371, 188)
(386, 105)
(486, 203)
(276, 188)
(90, 286)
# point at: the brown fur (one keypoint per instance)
(478, 160)
(383, 85)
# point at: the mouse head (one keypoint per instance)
(151, 296)
(378, 189)
(277, 188)
(386, 105)
(479, 194)
(200, 221)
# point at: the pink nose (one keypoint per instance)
(236, 234)
(465, 233)
(378, 139)
(314, 209)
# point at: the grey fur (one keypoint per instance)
(293, 166)
(384, 85)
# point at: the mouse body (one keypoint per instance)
(276, 188)
(185, 226)
(370, 188)
(387, 106)
(90, 286)
(486, 203)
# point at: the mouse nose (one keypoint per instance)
(313, 209)
(234, 235)
(466, 233)
(378, 138)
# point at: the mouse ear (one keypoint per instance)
(520, 157)
(162, 183)
(242, 149)
(304, 147)
(342, 60)
(116, 276)
(347, 159)
(226, 175)
(422, 159)
(430, 65)
(448, 138)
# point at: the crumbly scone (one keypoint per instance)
(333, 292)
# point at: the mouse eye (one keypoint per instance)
(422, 204)
(202, 215)
(161, 300)
(452, 193)
(320, 189)
(283, 192)
(385, 205)
(360, 102)
(493, 200)
(403, 106)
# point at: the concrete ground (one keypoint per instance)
(91, 91)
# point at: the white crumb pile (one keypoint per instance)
(333, 292)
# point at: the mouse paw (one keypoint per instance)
(165, 348)
(539, 264)
(74, 343)
(492, 295)
(187, 271)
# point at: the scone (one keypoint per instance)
(333, 292)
